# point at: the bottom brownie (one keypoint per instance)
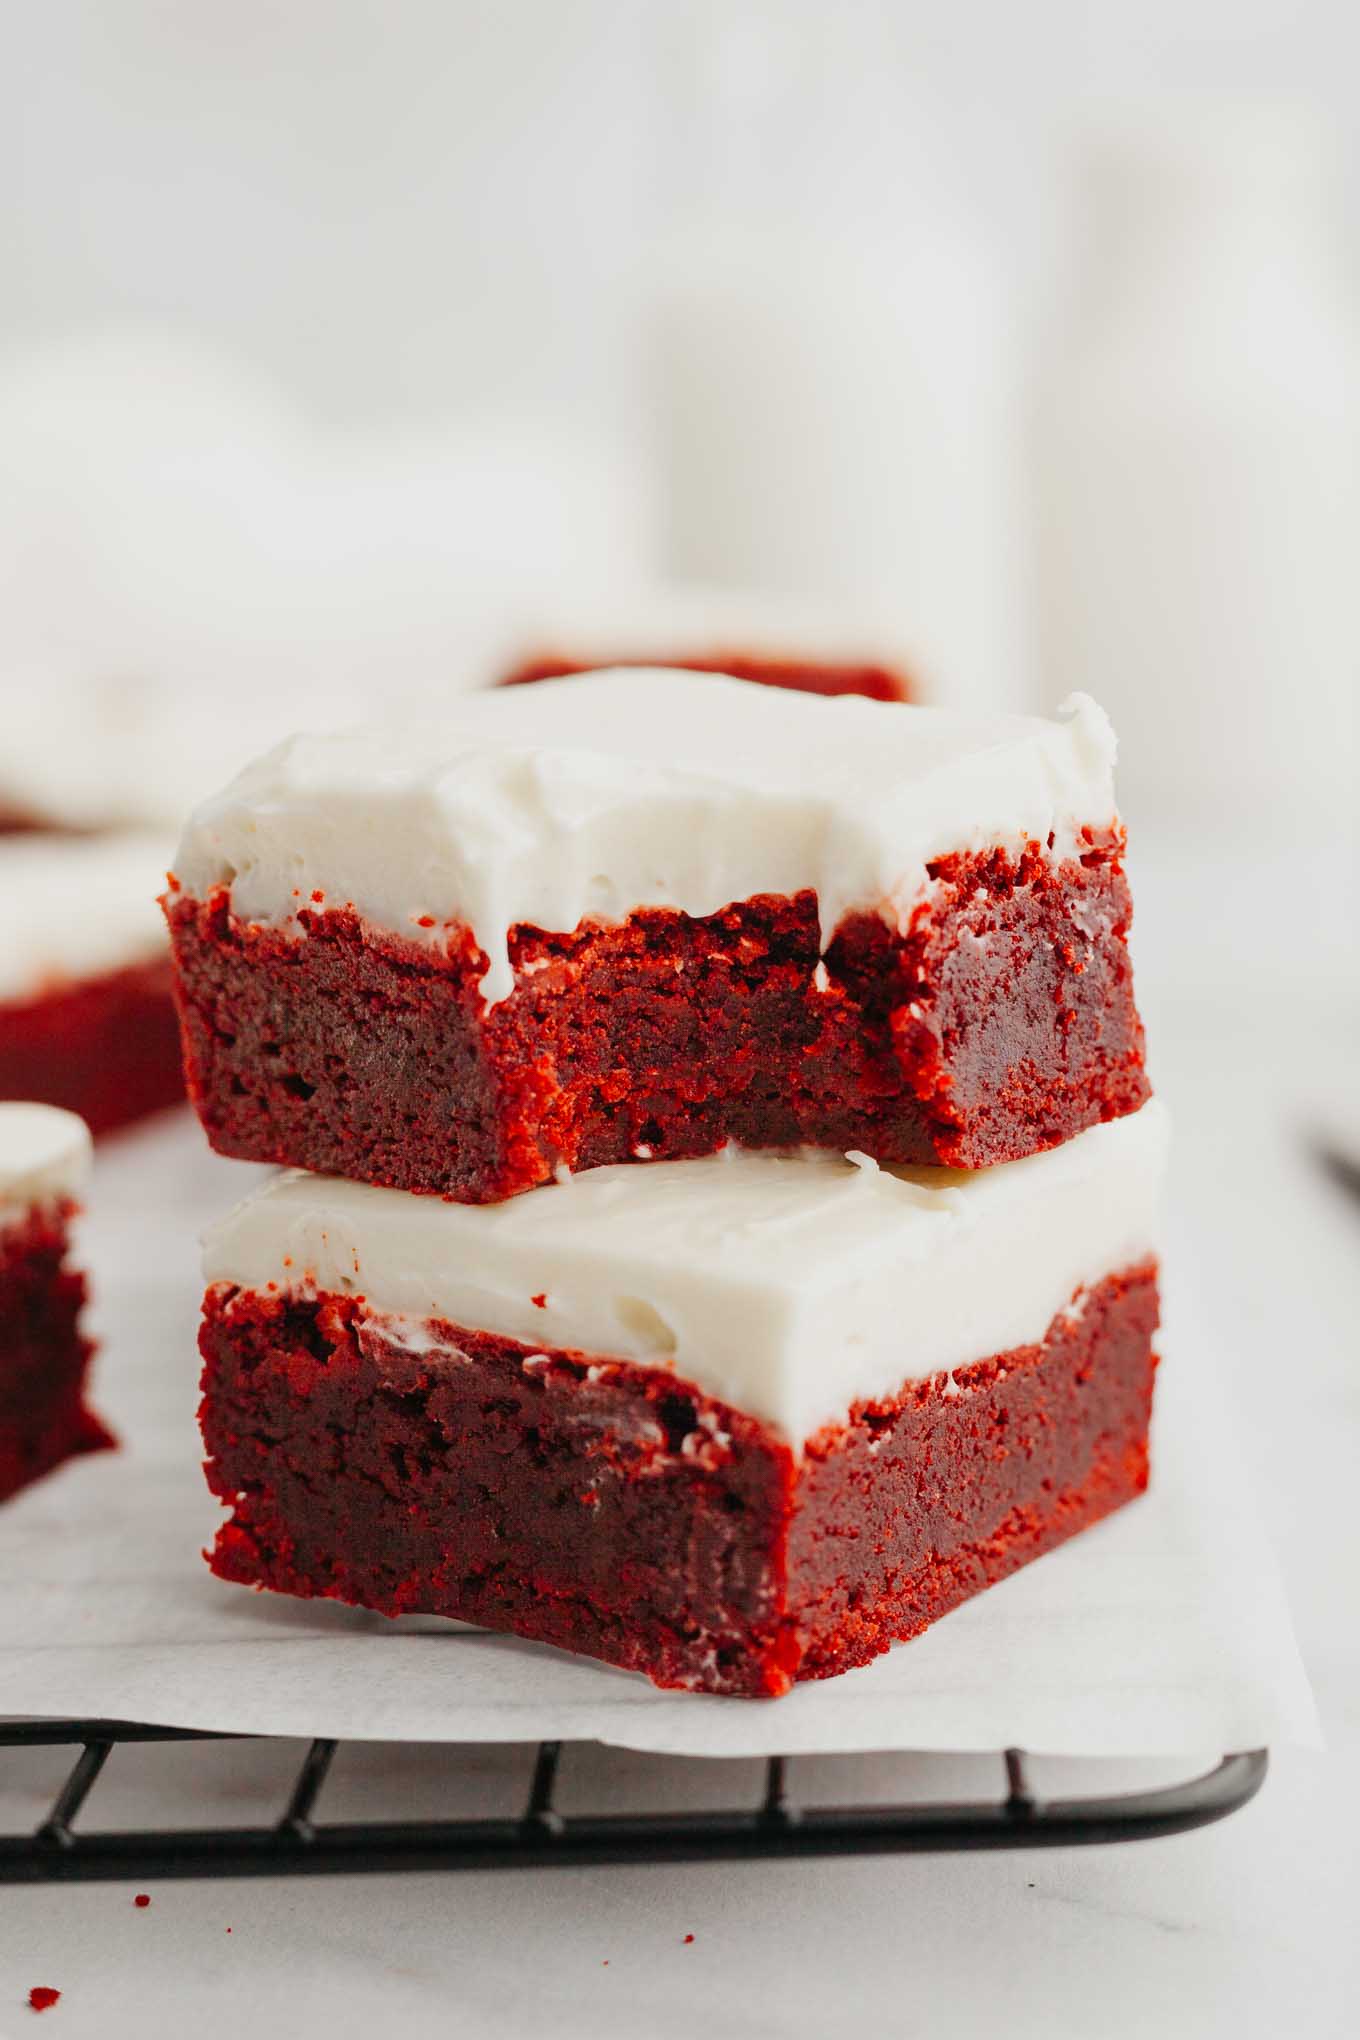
(43, 1355)
(105, 1047)
(610, 1508)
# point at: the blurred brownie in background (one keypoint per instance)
(778, 643)
(87, 1018)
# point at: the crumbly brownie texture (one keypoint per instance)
(44, 1357)
(1001, 1023)
(611, 1509)
(804, 676)
(106, 1047)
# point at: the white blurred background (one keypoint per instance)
(340, 336)
(345, 339)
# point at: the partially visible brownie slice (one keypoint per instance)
(87, 1015)
(44, 1355)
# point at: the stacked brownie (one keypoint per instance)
(719, 1233)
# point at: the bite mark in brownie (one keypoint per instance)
(610, 1508)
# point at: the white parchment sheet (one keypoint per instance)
(1162, 1631)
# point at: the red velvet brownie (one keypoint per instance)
(44, 1356)
(730, 1422)
(87, 1017)
(556, 933)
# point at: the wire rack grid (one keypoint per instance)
(776, 1825)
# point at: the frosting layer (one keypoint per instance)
(624, 789)
(76, 906)
(44, 1154)
(789, 1286)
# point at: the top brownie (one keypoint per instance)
(641, 914)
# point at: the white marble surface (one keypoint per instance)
(1246, 1928)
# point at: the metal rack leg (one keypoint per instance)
(1020, 1801)
(55, 1831)
(297, 1821)
(539, 1813)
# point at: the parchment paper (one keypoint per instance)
(1163, 1631)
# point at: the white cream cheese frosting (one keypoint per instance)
(74, 907)
(44, 1156)
(600, 794)
(788, 1286)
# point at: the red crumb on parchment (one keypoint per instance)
(541, 1300)
(688, 1938)
(143, 1898)
(42, 1998)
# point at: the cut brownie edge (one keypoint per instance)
(1001, 1022)
(609, 1508)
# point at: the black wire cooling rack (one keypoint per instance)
(301, 1841)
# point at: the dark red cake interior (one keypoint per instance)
(1002, 1022)
(612, 1509)
(44, 1356)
